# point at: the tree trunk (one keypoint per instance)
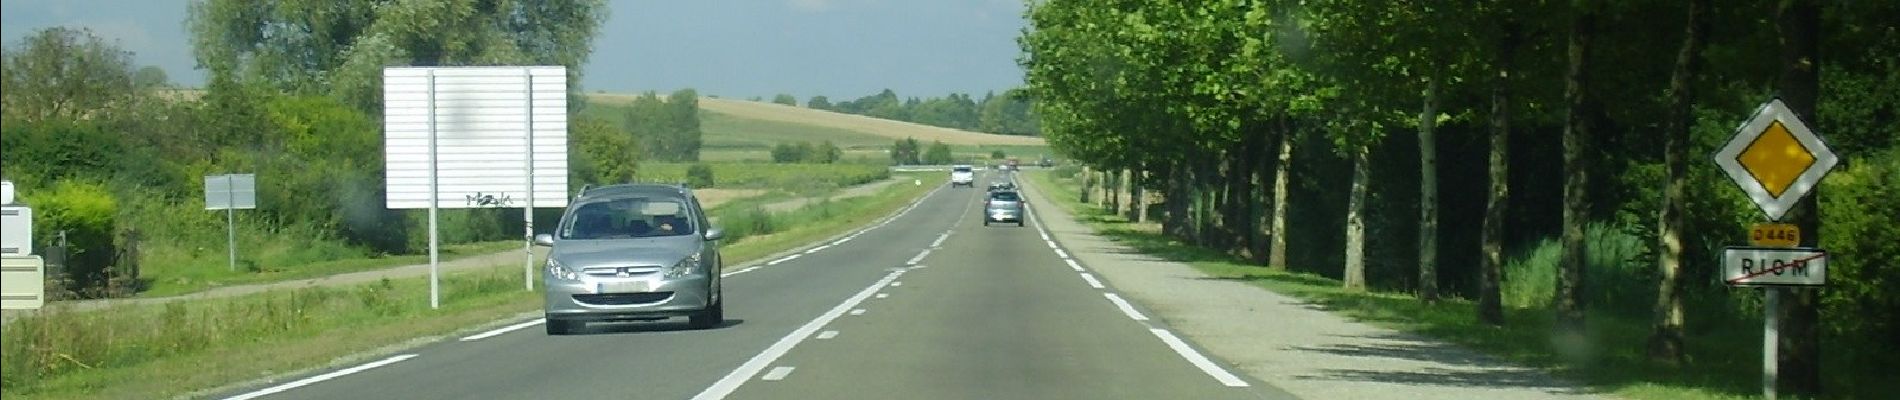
(1570, 281)
(1355, 276)
(1088, 183)
(1428, 194)
(1665, 339)
(1135, 204)
(1276, 250)
(1800, 349)
(1240, 188)
(1491, 261)
(1178, 201)
(1114, 195)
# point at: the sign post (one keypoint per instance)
(231, 192)
(1776, 160)
(475, 137)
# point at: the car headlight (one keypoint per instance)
(684, 267)
(562, 272)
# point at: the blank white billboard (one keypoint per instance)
(481, 118)
(231, 192)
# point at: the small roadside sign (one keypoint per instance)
(1774, 235)
(22, 282)
(1775, 159)
(1771, 266)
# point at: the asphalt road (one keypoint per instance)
(928, 305)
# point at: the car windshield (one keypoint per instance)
(961, 169)
(626, 218)
(1005, 196)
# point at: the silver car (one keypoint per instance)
(1003, 206)
(637, 252)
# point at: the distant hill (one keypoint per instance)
(832, 121)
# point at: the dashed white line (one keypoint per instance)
(505, 329)
(817, 249)
(1072, 264)
(845, 239)
(1125, 307)
(320, 378)
(919, 258)
(1092, 282)
(729, 383)
(777, 374)
(896, 284)
(1199, 361)
(741, 271)
(827, 334)
(1063, 254)
(857, 312)
(1052, 244)
(883, 295)
(787, 258)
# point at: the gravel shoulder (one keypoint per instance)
(1293, 344)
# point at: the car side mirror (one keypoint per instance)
(715, 234)
(544, 240)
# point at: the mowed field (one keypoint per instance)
(737, 130)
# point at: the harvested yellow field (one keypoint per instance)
(856, 123)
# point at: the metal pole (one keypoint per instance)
(230, 219)
(527, 213)
(435, 260)
(1770, 342)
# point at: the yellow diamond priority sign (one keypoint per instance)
(1775, 159)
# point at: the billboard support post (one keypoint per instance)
(435, 255)
(527, 213)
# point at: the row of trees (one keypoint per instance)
(908, 151)
(804, 152)
(1312, 135)
(668, 127)
(1009, 113)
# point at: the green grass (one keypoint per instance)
(212, 272)
(1723, 355)
(163, 350)
(813, 221)
(795, 178)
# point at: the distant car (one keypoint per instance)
(962, 175)
(1003, 206)
(636, 252)
(995, 186)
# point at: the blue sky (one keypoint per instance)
(839, 48)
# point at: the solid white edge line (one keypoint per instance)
(817, 249)
(741, 271)
(827, 334)
(1073, 265)
(320, 378)
(1092, 282)
(781, 260)
(777, 374)
(1125, 307)
(726, 385)
(1200, 361)
(505, 329)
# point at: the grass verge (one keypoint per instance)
(761, 233)
(1723, 357)
(162, 350)
(208, 278)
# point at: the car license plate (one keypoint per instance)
(621, 287)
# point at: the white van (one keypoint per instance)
(962, 175)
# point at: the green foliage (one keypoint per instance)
(791, 177)
(1862, 222)
(938, 154)
(785, 99)
(699, 175)
(998, 155)
(85, 214)
(819, 103)
(64, 74)
(1009, 114)
(1620, 277)
(906, 151)
(346, 44)
(600, 153)
(667, 130)
(804, 152)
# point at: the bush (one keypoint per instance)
(1860, 210)
(88, 215)
(1616, 275)
(998, 155)
(699, 176)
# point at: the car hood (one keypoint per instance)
(620, 252)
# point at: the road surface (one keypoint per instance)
(929, 304)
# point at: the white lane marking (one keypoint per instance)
(787, 258)
(1092, 282)
(1125, 307)
(919, 266)
(777, 374)
(827, 334)
(845, 239)
(1052, 244)
(857, 312)
(919, 258)
(896, 284)
(1063, 254)
(883, 295)
(1045, 236)
(320, 378)
(726, 385)
(505, 329)
(741, 271)
(1072, 264)
(1199, 361)
(817, 249)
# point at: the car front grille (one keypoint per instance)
(622, 299)
(632, 271)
